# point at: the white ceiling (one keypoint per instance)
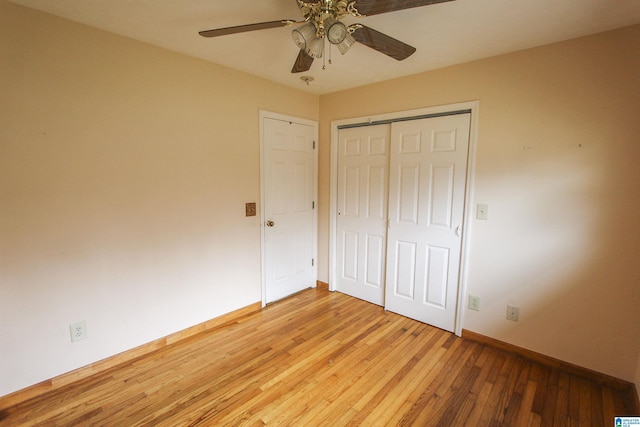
(444, 34)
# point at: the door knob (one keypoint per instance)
(270, 223)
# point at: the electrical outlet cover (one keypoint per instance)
(78, 331)
(513, 313)
(474, 303)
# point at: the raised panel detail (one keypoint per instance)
(300, 254)
(410, 143)
(279, 181)
(404, 285)
(352, 191)
(299, 187)
(352, 147)
(278, 141)
(301, 144)
(441, 195)
(281, 246)
(350, 255)
(408, 193)
(437, 265)
(374, 259)
(376, 202)
(443, 141)
(377, 146)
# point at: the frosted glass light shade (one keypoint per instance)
(315, 47)
(336, 31)
(304, 35)
(346, 44)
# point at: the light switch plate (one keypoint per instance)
(250, 209)
(474, 303)
(482, 212)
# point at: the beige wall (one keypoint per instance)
(557, 162)
(124, 170)
(638, 377)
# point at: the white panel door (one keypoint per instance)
(289, 179)
(428, 169)
(361, 225)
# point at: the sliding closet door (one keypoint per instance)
(362, 212)
(428, 171)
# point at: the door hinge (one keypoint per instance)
(313, 261)
(314, 145)
(313, 205)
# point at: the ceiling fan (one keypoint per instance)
(322, 23)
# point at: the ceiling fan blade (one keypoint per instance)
(383, 43)
(303, 62)
(244, 28)
(375, 7)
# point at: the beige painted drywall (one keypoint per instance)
(637, 382)
(124, 170)
(557, 162)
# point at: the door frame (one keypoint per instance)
(474, 107)
(292, 119)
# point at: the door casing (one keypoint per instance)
(474, 107)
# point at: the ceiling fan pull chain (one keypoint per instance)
(324, 57)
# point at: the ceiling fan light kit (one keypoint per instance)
(315, 47)
(310, 38)
(303, 35)
(322, 23)
(336, 31)
(346, 44)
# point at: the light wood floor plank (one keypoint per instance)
(321, 358)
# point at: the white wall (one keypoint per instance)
(124, 170)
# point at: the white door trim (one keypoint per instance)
(277, 116)
(474, 107)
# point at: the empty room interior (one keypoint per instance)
(432, 220)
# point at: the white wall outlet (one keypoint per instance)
(474, 303)
(482, 211)
(513, 313)
(78, 331)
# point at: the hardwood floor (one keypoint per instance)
(321, 358)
